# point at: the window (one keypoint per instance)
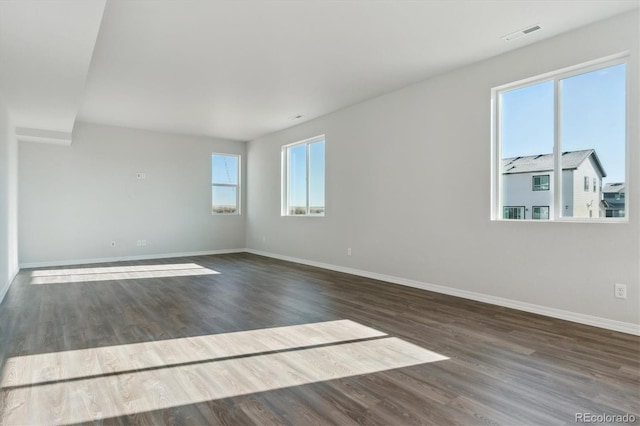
(563, 133)
(540, 213)
(225, 184)
(513, 212)
(541, 183)
(303, 178)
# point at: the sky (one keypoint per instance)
(224, 170)
(298, 171)
(592, 116)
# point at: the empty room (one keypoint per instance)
(265, 212)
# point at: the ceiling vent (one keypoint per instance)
(523, 32)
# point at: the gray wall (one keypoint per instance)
(408, 189)
(75, 200)
(8, 202)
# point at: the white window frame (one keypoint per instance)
(555, 215)
(228, 185)
(285, 177)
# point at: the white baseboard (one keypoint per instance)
(71, 262)
(3, 291)
(608, 324)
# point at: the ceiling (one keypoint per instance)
(45, 52)
(240, 69)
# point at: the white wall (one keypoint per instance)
(75, 200)
(408, 189)
(8, 202)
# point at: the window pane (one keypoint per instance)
(527, 135)
(593, 141)
(224, 169)
(513, 212)
(297, 179)
(225, 199)
(541, 183)
(540, 213)
(316, 178)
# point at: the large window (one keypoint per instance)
(225, 184)
(558, 139)
(303, 178)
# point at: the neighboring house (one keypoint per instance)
(613, 200)
(527, 185)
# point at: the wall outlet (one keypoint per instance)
(113, 243)
(141, 175)
(141, 243)
(349, 251)
(620, 291)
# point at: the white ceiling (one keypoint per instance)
(241, 69)
(45, 51)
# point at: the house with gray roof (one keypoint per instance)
(528, 182)
(613, 199)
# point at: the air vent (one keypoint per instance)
(532, 29)
(523, 32)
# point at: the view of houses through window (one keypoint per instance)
(586, 132)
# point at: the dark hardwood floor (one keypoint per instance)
(203, 343)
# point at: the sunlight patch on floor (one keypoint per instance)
(93, 384)
(108, 273)
(57, 366)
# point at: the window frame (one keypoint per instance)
(533, 183)
(285, 195)
(238, 211)
(556, 77)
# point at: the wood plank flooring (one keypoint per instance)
(241, 339)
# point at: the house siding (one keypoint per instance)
(518, 191)
(585, 201)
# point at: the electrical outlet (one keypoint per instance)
(143, 242)
(349, 251)
(620, 291)
(141, 175)
(113, 243)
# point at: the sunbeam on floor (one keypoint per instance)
(77, 275)
(91, 384)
